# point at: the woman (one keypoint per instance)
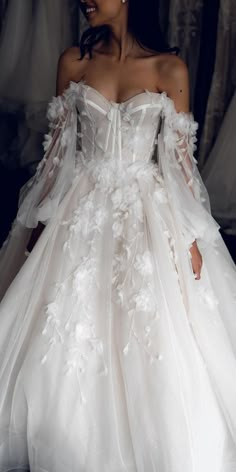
(118, 335)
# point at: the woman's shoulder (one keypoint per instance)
(72, 54)
(70, 68)
(173, 78)
(171, 67)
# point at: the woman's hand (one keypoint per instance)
(196, 260)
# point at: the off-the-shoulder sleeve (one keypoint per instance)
(187, 193)
(41, 195)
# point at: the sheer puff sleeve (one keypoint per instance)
(186, 191)
(41, 195)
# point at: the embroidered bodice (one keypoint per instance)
(125, 130)
(115, 143)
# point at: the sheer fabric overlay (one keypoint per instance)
(113, 356)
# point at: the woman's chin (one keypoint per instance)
(94, 22)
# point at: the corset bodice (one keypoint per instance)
(124, 130)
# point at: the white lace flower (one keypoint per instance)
(66, 137)
(39, 167)
(130, 192)
(144, 301)
(125, 201)
(71, 93)
(47, 141)
(52, 309)
(160, 195)
(116, 198)
(52, 321)
(56, 108)
(146, 170)
(73, 88)
(143, 264)
(181, 122)
(117, 228)
(100, 218)
(83, 331)
(78, 224)
(56, 161)
(167, 106)
(83, 276)
(208, 297)
(88, 207)
(102, 175)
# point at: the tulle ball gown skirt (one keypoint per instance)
(113, 356)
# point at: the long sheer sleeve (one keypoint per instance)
(41, 195)
(187, 193)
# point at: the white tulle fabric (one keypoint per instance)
(113, 356)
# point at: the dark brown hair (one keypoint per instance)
(143, 25)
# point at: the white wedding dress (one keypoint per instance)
(113, 356)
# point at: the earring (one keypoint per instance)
(123, 1)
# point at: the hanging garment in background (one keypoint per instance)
(219, 172)
(223, 81)
(33, 36)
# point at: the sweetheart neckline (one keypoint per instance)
(112, 102)
(180, 114)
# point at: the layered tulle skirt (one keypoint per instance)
(113, 356)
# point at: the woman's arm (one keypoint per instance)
(69, 68)
(65, 72)
(174, 80)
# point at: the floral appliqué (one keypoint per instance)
(132, 281)
(71, 327)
